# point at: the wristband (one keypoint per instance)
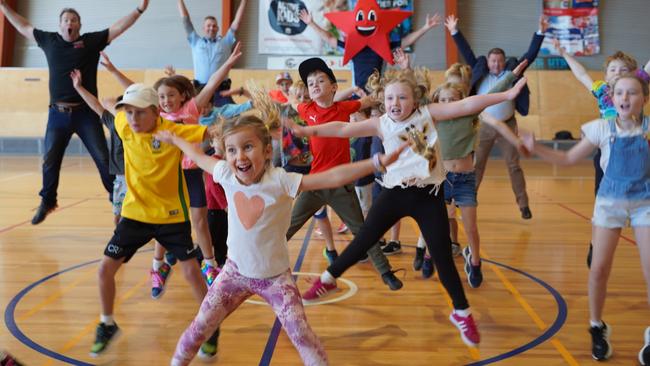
(138, 10)
(376, 162)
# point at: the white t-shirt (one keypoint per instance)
(598, 133)
(259, 216)
(411, 169)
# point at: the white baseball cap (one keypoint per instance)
(140, 96)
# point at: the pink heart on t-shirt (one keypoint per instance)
(249, 210)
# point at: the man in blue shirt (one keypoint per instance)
(211, 50)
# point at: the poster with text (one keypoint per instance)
(575, 24)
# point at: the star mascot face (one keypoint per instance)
(367, 26)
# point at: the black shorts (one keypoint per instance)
(195, 187)
(131, 235)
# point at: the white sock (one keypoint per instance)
(326, 277)
(211, 262)
(464, 312)
(596, 324)
(106, 319)
(157, 264)
(421, 242)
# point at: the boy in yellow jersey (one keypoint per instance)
(156, 203)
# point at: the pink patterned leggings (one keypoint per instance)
(229, 290)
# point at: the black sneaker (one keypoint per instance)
(391, 280)
(525, 213)
(419, 258)
(103, 336)
(208, 350)
(644, 354)
(42, 211)
(428, 269)
(600, 347)
(590, 254)
(474, 274)
(393, 247)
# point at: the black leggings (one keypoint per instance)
(429, 211)
(218, 224)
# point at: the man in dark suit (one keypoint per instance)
(486, 72)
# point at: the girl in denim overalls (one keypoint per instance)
(624, 195)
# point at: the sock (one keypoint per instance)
(464, 312)
(157, 263)
(211, 262)
(326, 277)
(596, 324)
(106, 319)
(421, 242)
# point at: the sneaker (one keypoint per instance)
(103, 336)
(318, 290)
(392, 281)
(600, 347)
(343, 228)
(392, 247)
(158, 279)
(364, 259)
(644, 354)
(428, 268)
(208, 350)
(170, 258)
(8, 360)
(474, 274)
(209, 273)
(382, 243)
(42, 211)
(456, 249)
(330, 255)
(419, 258)
(467, 327)
(590, 254)
(525, 213)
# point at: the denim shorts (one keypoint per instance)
(461, 188)
(119, 192)
(615, 213)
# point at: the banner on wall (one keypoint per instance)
(281, 32)
(575, 24)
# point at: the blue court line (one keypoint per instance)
(275, 331)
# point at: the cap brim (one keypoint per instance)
(314, 64)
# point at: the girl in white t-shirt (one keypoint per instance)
(259, 213)
(623, 195)
(413, 183)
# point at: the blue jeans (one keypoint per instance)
(60, 127)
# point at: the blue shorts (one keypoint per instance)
(195, 187)
(461, 188)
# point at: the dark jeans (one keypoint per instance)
(60, 127)
(217, 99)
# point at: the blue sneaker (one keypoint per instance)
(474, 274)
(428, 268)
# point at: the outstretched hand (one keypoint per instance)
(452, 24)
(170, 70)
(106, 62)
(561, 50)
(235, 55)
(75, 75)
(543, 23)
(401, 59)
(520, 68)
(305, 16)
(433, 21)
(512, 93)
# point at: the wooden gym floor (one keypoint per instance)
(531, 308)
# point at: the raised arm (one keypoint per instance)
(577, 69)
(577, 153)
(365, 128)
(117, 74)
(536, 42)
(21, 24)
(430, 23)
(461, 43)
(472, 105)
(238, 16)
(197, 155)
(325, 35)
(127, 21)
(346, 173)
(90, 99)
(215, 79)
(185, 16)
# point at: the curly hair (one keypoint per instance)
(626, 59)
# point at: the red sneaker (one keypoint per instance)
(467, 327)
(342, 228)
(318, 290)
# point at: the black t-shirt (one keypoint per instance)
(366, 62)
(63, 57)
(116, 157)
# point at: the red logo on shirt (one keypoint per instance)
(78, 44)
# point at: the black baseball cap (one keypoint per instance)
(314, 64)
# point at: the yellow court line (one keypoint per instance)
(55, 296)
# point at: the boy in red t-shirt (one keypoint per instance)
(329, 152)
